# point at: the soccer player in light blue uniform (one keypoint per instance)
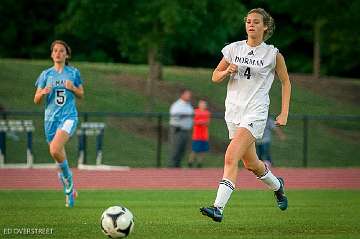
(60, 85)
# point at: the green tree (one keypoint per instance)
(150, 30)
(27, 27)
(330, 23)
(342, 39)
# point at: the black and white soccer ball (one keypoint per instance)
(117, 222)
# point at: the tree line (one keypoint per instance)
(319, 37)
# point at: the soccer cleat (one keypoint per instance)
(212, 212)
(69, 190)
(70, 198)
(280, 197)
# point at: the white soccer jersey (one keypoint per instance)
(248, 90)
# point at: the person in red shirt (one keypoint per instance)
(200, 136)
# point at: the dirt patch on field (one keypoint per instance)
(164, 92)
(341, 89)
(352, 136)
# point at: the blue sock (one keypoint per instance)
(64, 166)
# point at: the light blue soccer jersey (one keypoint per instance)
(60, 103)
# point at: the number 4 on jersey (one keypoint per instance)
(247, 73)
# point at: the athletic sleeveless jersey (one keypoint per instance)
(248, 89)
(60, 103)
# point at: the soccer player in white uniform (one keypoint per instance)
(251, 65)
(60, 85)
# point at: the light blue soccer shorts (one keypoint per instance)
(68, 125)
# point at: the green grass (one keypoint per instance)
(175, 214)
(331, 143)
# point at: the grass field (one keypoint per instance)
(174, 214)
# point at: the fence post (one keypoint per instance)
(84, 139)
(2, 147)
(159, 142)
(99, 144)
(81, 135)
(3, 140)
(29, 150)
(305, 142)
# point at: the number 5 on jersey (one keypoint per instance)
(60, 97)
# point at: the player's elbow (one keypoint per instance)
(216, 79)
(213, 79)
(217, 76)
(36, 101)
(78, 92)
(80, 95)
(284, 78)
(286, 83)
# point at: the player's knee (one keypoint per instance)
(55, 152)
(230, 159)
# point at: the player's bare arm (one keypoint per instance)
(283, 76)
(78, 91)
(223, 70)
(40, 92)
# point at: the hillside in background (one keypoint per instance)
(120, 88)
(107, 84)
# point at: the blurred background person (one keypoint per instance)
(181, 121)
(263, 145)
(200, 135)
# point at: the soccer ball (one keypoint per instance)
(117, 222)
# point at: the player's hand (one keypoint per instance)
(232, 68)
(69, 85)
(281, 120)
(46, 90)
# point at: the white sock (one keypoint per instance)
(226, 187)
(271, 181)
